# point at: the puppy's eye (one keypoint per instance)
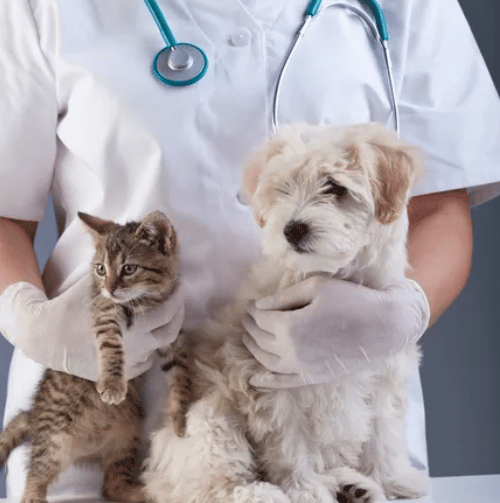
(283, 190)
(129, 269)
(100, 269)
(332, 188)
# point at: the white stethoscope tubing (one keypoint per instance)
(300, 33)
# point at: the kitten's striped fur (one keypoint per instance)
(73, 419)
(135, 268)
(178, 361)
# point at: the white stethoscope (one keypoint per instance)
(181, 64)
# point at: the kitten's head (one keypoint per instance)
(138, 261)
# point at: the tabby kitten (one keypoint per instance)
(135, 268)
(72, 419)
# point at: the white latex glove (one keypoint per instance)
(340, 327)
(57, 333)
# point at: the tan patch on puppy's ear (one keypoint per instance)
(260, 219)
(256, 164)
(352, 156)
(398, 166)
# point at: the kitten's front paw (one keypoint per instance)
(112, 390)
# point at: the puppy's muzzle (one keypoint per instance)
(297, 234)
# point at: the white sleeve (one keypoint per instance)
(448, 102)
(28, 114)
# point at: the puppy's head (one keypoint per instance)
(320, 192)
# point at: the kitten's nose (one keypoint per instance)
(296, 232)
(110, 286)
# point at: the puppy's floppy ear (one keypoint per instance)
(253, 170)
(256, 164)
(157, 232)
(398, 166)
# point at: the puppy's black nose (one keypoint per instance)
(295, 233)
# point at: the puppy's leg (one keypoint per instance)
(287, 462)
(304, 487)
(259, 492)
(385, 457)
(211, 463)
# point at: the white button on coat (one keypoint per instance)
(240, 37)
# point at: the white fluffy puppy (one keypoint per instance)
(330, 200)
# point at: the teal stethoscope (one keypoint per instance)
(181, 64)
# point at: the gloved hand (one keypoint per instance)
(338, 327)
(57, 333)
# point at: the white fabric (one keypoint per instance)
(56, 332)
(83, 115)
(298, 346)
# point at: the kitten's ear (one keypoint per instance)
(157, 232)
(96, 225)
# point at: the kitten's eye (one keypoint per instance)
(334, 189)
(129, 269)
(100, 269)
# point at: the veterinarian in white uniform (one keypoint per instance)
(83, 116)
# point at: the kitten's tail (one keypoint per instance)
(13, 435)
(176, 360)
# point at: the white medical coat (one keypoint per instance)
(82, 116)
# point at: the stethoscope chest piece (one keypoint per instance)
(177, 64)
(180, 65)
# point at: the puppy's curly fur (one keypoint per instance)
(343, 441)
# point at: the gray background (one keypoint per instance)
(460, 373)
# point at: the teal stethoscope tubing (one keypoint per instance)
(161, 22)
(172, 68)
(380, 32)
(378, 14)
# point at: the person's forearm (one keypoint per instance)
(440, 247)
(17, 257)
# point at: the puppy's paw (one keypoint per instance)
(352, 486)
(112, 390)
(359, 493)
(260, 492)
(410, 484)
